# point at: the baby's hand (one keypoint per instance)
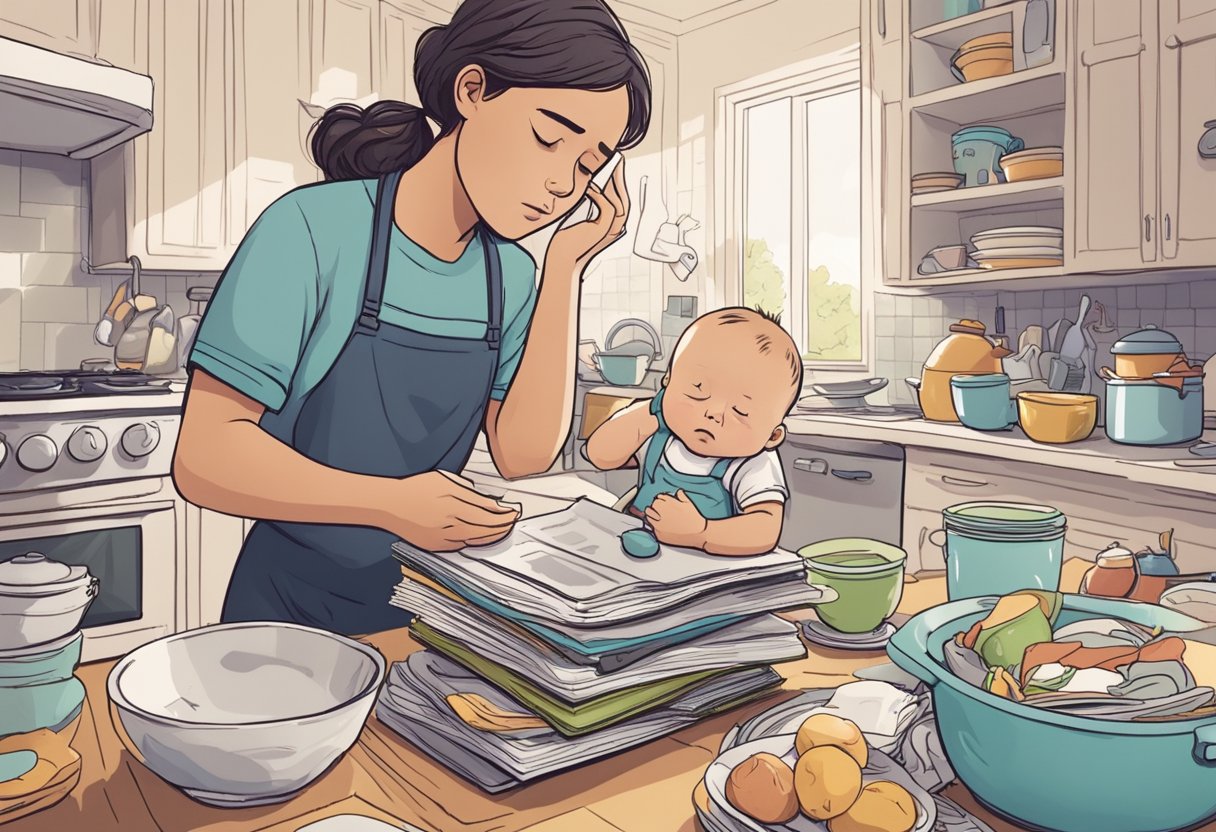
(676, 521)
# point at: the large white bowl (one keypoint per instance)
(245, 714)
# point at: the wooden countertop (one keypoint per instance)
(1098, 455)
(647, 789)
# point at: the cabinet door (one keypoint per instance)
(122, 36)
(344, 62)
(1114, 201)
(67, 26)
(883, 168)
(1188, 105)
(180, 202)
(267, 156)
(219, 538)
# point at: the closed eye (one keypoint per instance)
(697, 398)
(740, 412)
(542, 141)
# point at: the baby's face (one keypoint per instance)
(724, 397)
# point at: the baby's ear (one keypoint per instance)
(666, 378)
(776, 439)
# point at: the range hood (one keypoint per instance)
(53, 103)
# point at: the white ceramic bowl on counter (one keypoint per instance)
(41, 600)
(245, 714)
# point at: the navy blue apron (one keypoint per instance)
(395, 403)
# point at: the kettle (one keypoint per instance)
(966, 351)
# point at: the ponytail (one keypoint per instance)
(350, 142)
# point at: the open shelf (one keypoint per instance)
(987, 197)
(974, 276)
(950, 34)
(1029, 91)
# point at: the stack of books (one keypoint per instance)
(553, 648)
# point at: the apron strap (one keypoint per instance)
(377, 263)
(489, 251)
(720, 468)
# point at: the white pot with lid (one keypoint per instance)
(41, 600)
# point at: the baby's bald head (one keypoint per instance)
(768, 338)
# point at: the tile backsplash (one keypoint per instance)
(1186, 309)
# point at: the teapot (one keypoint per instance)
(966, 351)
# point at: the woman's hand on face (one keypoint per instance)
(441, 512)
(575, 246)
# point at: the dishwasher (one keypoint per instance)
(842, 488)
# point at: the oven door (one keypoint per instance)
(130, 548)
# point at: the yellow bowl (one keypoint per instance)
(1057, 418)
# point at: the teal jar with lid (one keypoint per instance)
(995, 548)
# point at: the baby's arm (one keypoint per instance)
(754, 532)
(615, 442)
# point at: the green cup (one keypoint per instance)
(867, 576)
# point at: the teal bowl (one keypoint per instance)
(42, 663)
(1057, 772)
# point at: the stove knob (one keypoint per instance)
(140, 440)
(37, 453)
(87, 444)
(3, 451)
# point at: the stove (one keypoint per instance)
(85, 427)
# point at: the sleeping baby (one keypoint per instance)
(710, 477)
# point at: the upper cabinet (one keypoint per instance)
(882, 125)
(238, 87)
(67, 26)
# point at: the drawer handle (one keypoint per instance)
(964, 483)
(859, 476)
(812, 466)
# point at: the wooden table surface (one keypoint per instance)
(647, 789)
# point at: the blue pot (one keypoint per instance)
(1059, 772)
(984, 402)
(957, 8)
(40, 665)
(1148, 413)
(28, 708)
(978, 152)
(994, 548)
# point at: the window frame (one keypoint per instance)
(832, 74)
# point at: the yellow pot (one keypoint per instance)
(1057, 418)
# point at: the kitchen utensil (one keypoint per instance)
(1033, 163)
(161, 355)
(244, 714)
(994, 548)
(928, 183)
(966, 351)
(950, 257)
(627, 364)
(999, 334)
(1038, 27)
(1057, 418)
(1113, 574)
(1074, 338)
(624, 370)
(41, 600)
(1145, 352)
(1207, 141)
(977, 150)
(1196, 599)
(1025, 365)
(1146, 412)
(187, 325)
(1065, 761)
(986, 56)
(586, 354)
(984, 402)
(109, 328)
(1032, 334)
(867, 575)
(37, 686)
(844, 394)
(1065, 375)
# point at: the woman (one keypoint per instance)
(370, 326)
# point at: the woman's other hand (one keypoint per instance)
(441, 512)
(575, 246)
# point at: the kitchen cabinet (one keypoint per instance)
(1187, 105)
(882, 72)
(213, 542)
(67, 26)
(1115, 163)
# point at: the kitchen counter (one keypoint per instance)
(648, 789)
(1096, 455)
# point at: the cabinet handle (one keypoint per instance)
(1167, 226)
(964, 483)
(858, 476)
(1148, 228)
(882, 18)
(812, 466)
(1172, 42)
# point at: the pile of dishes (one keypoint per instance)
(42, 603)
(987, 56)
(1033, 163)
(1019, 247)
(935, 182)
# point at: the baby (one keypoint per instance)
(710, 475)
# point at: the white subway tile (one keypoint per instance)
(51, 179)
(56, 304)
(66, 345)
(61, 225)
(10, 270)
(33, 345)
(54, 269)
(10, 330)
(20, 234)
(10, 182)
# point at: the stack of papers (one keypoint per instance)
(560, 649)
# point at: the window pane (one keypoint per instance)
(833, 236)
(766, 227)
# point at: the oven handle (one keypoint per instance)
(858, 476)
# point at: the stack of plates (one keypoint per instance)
(1019, 247)
(931, 183)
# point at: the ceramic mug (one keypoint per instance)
(984, 402)
(867, 577)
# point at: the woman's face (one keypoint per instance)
(525, 156)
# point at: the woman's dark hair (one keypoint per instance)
(570, 44)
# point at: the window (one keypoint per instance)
(791, 203)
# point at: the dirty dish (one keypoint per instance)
(1057, 418)
(819, 633)
(950, 257)
(1196, 599)
(984, 402)
(928, 183)
(867, 575)
(1033, 163)
(41, 600)
(1148, 412)
(244, 714)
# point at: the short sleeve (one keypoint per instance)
(759, 480)
(515, 327)
(254, 330)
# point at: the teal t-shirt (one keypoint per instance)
(289, 299)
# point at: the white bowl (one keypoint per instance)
(245, 714)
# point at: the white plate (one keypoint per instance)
(1021, 230)
(1024, 251)
(819, 633)
(880, 767)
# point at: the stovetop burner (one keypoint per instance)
(24, 386)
